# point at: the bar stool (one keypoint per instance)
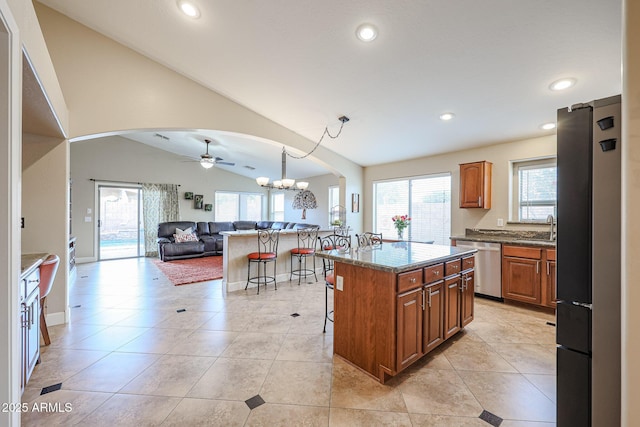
(307, 239)
(267, 252)
(369, 240)
(333, 242)
(48, 270)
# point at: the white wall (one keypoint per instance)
(500, 155)
(319, 186)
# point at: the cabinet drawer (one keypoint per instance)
(409, 280)
(433, 273)
(452, 267)
(31, 282)
(522, 252)
(468, 262)
(551, 254)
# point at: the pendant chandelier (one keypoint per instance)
(285, 183)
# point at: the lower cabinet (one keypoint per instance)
(30, 324)
(410, 316)
(466, 298)
(433, 319)
(529, 275)
(452, 321)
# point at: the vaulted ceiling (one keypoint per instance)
(300, 64)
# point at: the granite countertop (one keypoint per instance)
(511, 237)
(397, 257)
(29, 262)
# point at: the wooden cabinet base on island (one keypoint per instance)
(385, 321)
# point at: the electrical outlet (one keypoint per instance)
(339, 283)
(500, 222)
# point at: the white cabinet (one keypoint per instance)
(30, 323)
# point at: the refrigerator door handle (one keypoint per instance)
(583, 304)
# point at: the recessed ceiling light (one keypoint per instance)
(447, 116)
(189, 9)
(548, 126)
(563, 84)
(367, 32)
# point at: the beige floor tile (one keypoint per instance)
(109, 339)
(274, 415)
(310, 322)
(424, 420)
(231, 379)
(62, 408)
(351, 388)
(528, 358)
(307, 348)
(254, 345)
(358, 417)
(509, 396)
(71, 333)
(433, 391)
(434, 360)
(299, 383)
(544, 383)
(493, 332)
(111, 373)
(513, 423)
(189, 319)
(270, 323)
(56, 366)
(204, 343)
(157, 341)
(201, 412)
(128, 410)
(107, 317)
(228, 321)
(145, 318)
(171, 375)
(476, 356)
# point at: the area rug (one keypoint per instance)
(184, 271)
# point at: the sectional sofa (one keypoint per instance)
(209, 240)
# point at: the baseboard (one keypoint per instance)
(59, 318)
(85, 260)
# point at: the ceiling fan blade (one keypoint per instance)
(225, 163)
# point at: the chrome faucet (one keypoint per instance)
(552, 236)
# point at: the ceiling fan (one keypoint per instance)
(207, 160)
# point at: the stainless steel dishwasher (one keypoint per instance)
(488, 268)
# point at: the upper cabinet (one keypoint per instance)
(475, 185)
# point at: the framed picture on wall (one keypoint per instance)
(197, 201)
(208, 207)
(188, 195)
(355, 202)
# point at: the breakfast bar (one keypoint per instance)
(397, 302)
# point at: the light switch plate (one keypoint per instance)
(500, 222)
(339, 283)
(89, 211)
(87, 219)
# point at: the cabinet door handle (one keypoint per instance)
(429, 298)
(548, 274)
(29, 316)
(423, 308)
(537, 267)
(479, 200)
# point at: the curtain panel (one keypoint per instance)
(159, 204)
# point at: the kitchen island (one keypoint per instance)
(397, 302)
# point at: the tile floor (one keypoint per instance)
(128, 358)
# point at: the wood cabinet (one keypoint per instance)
(475, 185)
(452, 323)
(529, 275)
(409, 327)
(433, 317)
(550, 279)
(384, 322)
(466, 298)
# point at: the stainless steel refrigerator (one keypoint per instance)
(588, 264)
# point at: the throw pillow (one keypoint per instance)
(183, 238)
(187, 231)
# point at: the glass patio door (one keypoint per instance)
(120, 230)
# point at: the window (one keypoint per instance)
(334, 196)
(427, 200)
(277, 207)
(534, 185)
(238, 206)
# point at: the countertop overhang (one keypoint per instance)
(29, 262)
(507, 240)
(397, 257)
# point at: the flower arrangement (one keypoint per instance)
(400, 222)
